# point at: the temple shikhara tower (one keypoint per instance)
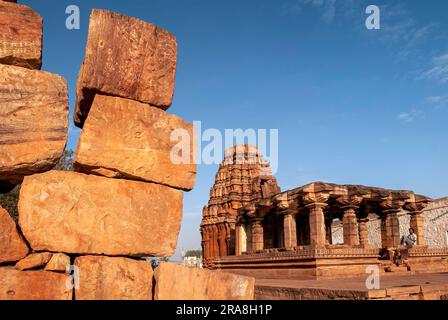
(243, 178)
(315, 231)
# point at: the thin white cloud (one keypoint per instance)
(433, 99)
(326, 8)
(437, 101)
(408, 116)
(438, 70)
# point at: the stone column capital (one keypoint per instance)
(288, 213)
(316, 205)
(255, 221)
(350, 208)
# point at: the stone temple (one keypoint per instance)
(317, 231)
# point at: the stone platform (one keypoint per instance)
(392, 287)
(301, 263)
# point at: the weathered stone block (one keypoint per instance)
(127, 139)
(33, 122)
(12, 246)
(34, 260)
(34, 285)
(63, 211)
(176, 282)
(126, 57)
(20, 36)
(106, 278)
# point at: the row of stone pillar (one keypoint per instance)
(354, 229)
(216, 240)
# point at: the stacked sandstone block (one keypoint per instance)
(124, 201)
(33, 134)
(34, 104)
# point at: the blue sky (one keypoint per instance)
(352, 106)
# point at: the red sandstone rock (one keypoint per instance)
(176, 282)
(136, 144)
(59, 262)
(62, 211)
(12, 246)
(33, 285)
(34, 260)
(33, 122)
(106, 278)
(20, 36)
(126, 57)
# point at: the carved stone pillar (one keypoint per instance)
(239, 240)
(350, 226)
(205, 243)
(229, 246)
(392, 228)
(415, 210)
(363, 233)
(328, 230)
(416, 223)
(222, 240)
(215, 245)
(257, 235)
(289, 230)
(384, 240)
(317, 224)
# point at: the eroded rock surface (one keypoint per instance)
(12, 246)
(34, 260)
(20, 36)
(63, 211)
(107, 278)
(33, 122)
(128, 58)
(137, 143)
(176, 282)
(34, 285)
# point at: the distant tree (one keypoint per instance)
(10, 200)
(194, 253)
(66, 161)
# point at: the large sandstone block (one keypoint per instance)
(176, 282)
(123, 138)
(12, 246)
(34, 285)
(106, 278)
(33, 122)
(126, 57)
(20, 36)
(63, 211)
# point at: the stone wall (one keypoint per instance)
(435, 226)
(88, 234)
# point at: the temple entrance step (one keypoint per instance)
(397, 269)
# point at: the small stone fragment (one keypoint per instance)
(33, 261)
(59, 262)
